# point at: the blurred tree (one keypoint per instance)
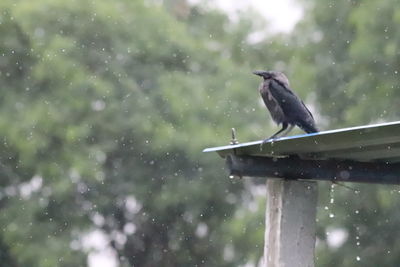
(107, 107)
(349, 58)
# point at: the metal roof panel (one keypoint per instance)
(377, 142)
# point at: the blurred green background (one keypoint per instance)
(106, 105)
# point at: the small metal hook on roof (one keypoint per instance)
(234, 141)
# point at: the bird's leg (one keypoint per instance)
(284, 127)
(291, 126)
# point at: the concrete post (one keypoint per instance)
(290, 223)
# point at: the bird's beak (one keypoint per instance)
(259, 73)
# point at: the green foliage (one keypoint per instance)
(351, 61)
(107, 105)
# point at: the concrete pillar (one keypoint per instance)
(290, 223)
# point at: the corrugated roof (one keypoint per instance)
(378, 142)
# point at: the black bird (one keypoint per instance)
(285, 107)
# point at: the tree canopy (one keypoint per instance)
(106, 106)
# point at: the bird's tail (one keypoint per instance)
(308, 127)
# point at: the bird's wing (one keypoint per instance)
(272, 104)
(309, 112)
(291, 104)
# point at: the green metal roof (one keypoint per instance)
(378, 142)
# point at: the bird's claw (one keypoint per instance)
(270, 139)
